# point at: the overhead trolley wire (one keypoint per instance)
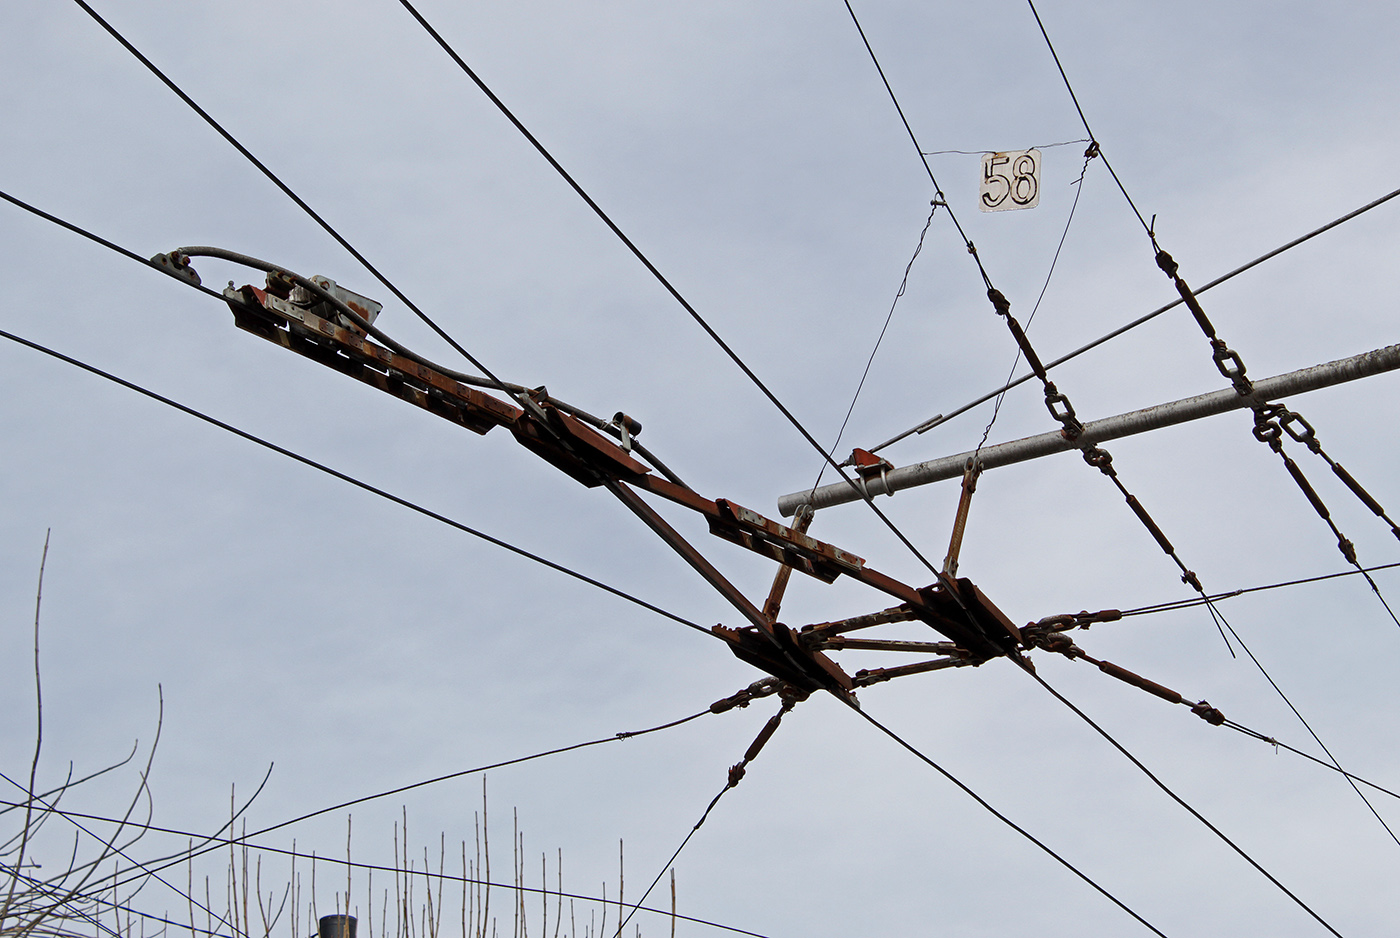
(1006, 820)
(252, 438)
(938, 190)
(219, 842)
(1181, 801)
(1087, 129)
(524, 400)
(675, 293)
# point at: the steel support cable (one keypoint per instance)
(736, 774)
(1255, 734)
(1007, 821)
(219, 842)
(1202, 709)
(1078, 190)
(938, 190)
(1216, 597)
(376, 867)
(372, 489)
(903, 284)
(72, 904)
(110, 845)
(1087, 129)
(1099, 458)
(1308, 726)
(675, 293)
(523, 400)
(1268, 417)
(1128, 327)
(1179, 800)
(1060, 408)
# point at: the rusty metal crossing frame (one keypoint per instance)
(957, 609)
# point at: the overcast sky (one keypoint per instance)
(751, 151)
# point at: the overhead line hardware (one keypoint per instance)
(893, 479)
(304, 316)
(940, 419)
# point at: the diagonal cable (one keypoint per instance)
(526, 402)
(1179, 800)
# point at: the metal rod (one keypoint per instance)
(1097, 431)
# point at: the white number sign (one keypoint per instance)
(1010, 180)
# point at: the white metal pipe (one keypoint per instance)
(1097, 431)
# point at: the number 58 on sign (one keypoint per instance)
(1010, 180)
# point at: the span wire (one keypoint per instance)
(219, 842)
(1196, 601)
(523, 400)
(1128, 327)
(375, 868)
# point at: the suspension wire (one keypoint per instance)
(1006, 820)
(903, 284)
(1038, 146)
(1078, 190)
(166, 862)
(1255, 734)
(1087, 129)
(684, 303)
(1270, 420)
(736, 774)
(1184, 603)
(372, 489)
(1128, 327)
(1307, 726)
(1179, 800)
(523, 400)
(372, 867)
(938, 190)
(111, 845)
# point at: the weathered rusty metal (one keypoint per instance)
(329, 343)
(957, 609)
(820, 630)
(864, 678)
(842, 642)
(784, 572)
(969, 486)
